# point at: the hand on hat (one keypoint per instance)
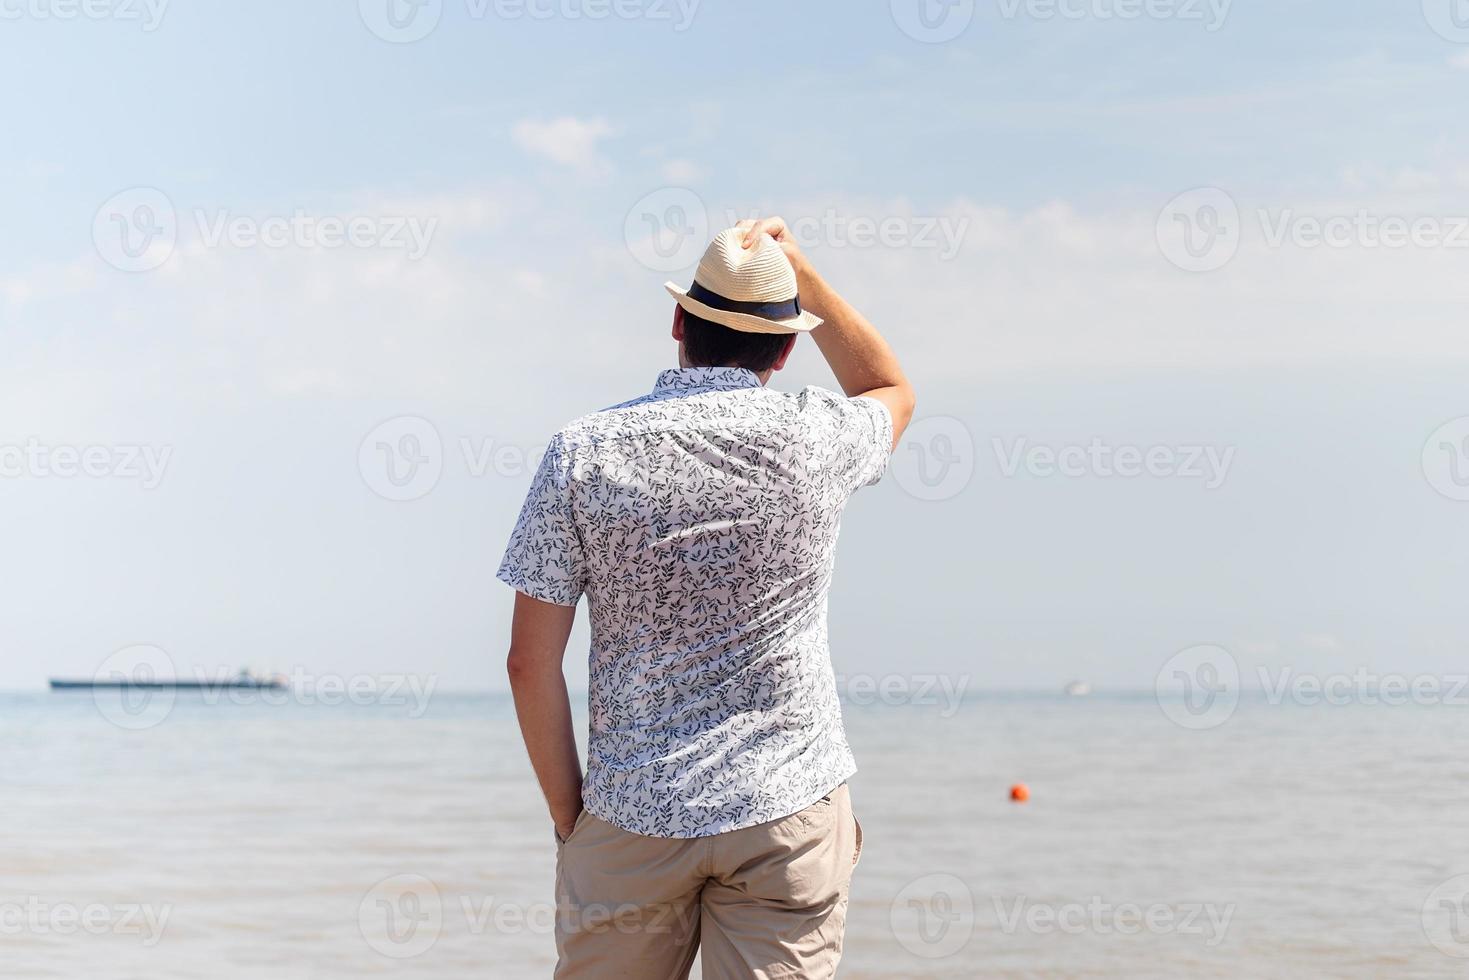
(776, 228)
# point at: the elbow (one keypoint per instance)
(524, 667)
(904, 404)
(908, 401)
(517, 666)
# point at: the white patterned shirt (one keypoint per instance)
(701, 521)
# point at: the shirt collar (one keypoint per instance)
(698, 380)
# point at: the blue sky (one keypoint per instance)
(525, 148)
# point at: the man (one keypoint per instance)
(701, 522)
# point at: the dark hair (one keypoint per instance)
(708, 344)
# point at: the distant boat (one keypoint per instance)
(244, 680)
(1078, 689)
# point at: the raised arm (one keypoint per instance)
(861, 360)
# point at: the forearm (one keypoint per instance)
(859, 357)
(544, 709)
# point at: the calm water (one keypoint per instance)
(294, 841)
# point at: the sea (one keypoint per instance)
(207, 836)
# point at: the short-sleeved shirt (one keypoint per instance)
(701, 522)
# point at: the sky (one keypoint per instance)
(292, 294)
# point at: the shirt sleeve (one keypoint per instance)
(545, 558)
(858, 437)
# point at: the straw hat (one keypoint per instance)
(752, 290)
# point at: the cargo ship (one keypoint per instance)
(244, 680)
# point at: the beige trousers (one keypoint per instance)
(767, 901)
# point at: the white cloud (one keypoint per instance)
(1054, 288)
(1460, 60)
(567, 141)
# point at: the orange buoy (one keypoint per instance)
(1020, 792)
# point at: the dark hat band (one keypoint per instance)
(782, 310)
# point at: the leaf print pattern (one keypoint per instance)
(701, 522)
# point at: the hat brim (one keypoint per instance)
(743, 322)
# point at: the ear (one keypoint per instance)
(780, 361)
(678, 323)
